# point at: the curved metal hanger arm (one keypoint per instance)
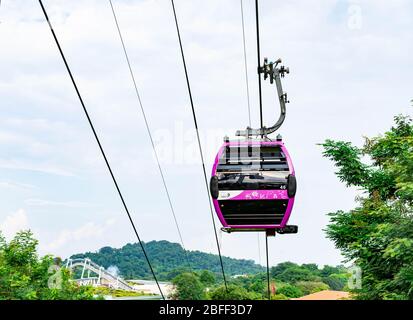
(275, 74)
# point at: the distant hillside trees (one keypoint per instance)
(290, 291)
(202, 278)
(23, 275)
(233, 292)
(289, 280)
(168, 259)
(328, 277)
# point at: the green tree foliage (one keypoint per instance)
(294, 274)
(377, 235)
(254, 283)
(336, 281)
(308, 287)
(311, 267)
(233, 292)
(293, 280)
(330, 270)
(188, 287)
(176, 272)
(207, 278)
(279, 297)
(192, 285)
(290, 272)
(281, 267)
(290, 291)
(168, 260)
(25, 276)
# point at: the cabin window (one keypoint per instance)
(252, 158)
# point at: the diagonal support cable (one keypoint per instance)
(248, 94)
(149, 131)
(199, 142)
(101, 148)
(257, 21)
(245, 63)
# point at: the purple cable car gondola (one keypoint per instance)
(253, 182)
(253, 185)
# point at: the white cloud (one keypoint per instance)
(15, 185)
(14, 223)
(88, 231)
(69, 204)
(28, 165)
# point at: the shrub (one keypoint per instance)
(308, 287)
(290, 291)
(188, 287)
(233, 293)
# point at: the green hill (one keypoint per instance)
(168, 259)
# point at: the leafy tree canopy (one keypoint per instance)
(23, 275)
(207, 278)
(290, 291)
(233, 292)
(188, 287)
(377, 235)
(308, 287)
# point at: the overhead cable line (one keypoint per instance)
(259, 60)
(262, 125)
(245, 63)
(248, 93)
(149, 131)
(268, 268)
(101, 148)
(199, 142)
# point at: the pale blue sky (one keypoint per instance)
(350, 64)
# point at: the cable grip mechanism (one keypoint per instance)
(274, 72)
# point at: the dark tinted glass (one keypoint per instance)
(252, 158)
(255, 181)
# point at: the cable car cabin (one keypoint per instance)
(253, 186)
